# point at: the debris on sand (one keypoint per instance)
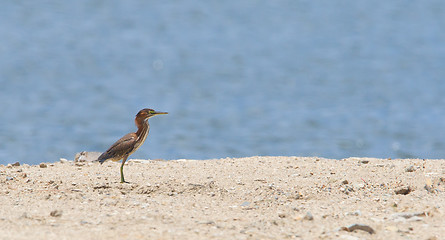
(403, 190)
(357, 226)
(56, 213)
(308, 216)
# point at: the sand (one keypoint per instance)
(243, 198)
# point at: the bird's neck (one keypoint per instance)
(143, 127)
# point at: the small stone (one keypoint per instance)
(16, 164)
(345, 182)
(430, 188)
(63, 160)
(364, 161)
(245, 204)
(281, 215)
(355, 213)
(403, 190)
(43, 165)
(410, 169)
(9, 178)
(308, 216)
(56, 213)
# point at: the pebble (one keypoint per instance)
(429, 188)
(9, 178)
(16, 164)
(403, 190)
(355, 213)
(245, 204)
(410, 169)
(308, 216)
(43, 165)
(56, 213)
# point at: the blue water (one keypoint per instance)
(306, 78)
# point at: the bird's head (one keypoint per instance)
(147, 113)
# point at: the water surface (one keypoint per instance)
(239, 78)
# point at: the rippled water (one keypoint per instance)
(239, 78)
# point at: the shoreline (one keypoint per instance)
(230, 198)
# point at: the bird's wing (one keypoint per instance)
(120, 148)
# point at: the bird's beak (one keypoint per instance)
(157, 113)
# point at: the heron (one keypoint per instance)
(128, 144)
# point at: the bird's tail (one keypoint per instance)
(102, 158)
(99, 160)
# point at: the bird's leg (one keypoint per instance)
(122, 169)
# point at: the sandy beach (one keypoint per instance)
(242, 198)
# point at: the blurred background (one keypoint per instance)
(325, 78)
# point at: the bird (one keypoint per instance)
(128, 144)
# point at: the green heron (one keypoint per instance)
(129, 143)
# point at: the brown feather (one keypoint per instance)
(122, 147)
